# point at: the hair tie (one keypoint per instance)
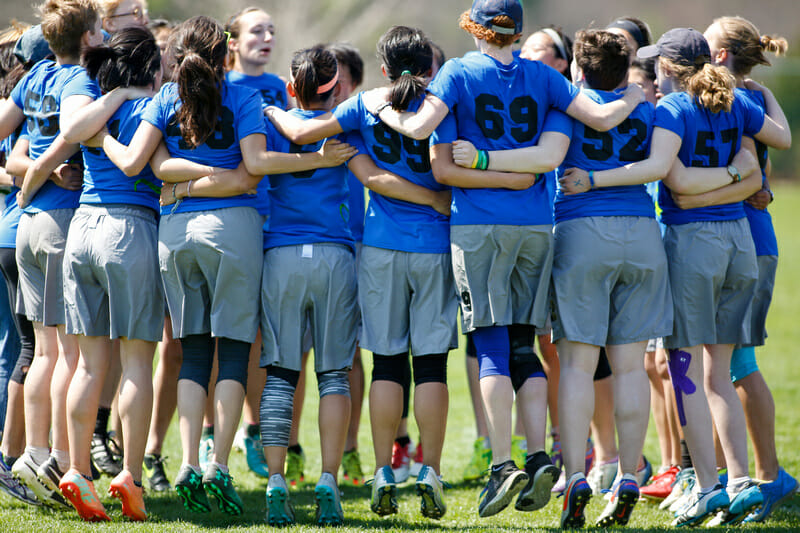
(322, 89)
(406, 72)
(558, 42)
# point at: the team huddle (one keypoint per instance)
(606, 197)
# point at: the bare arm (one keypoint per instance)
(542, 157)
(446, 172)
(777, 134)
(40, 169)
(419, 125)
(175, 169)
(81, 117)
(219, 184)
(301, 131)
(11, 117)
(697, 180)
(259, 161)
(391, 185)
(603, 117)
(133, 158)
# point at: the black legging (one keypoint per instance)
(8, 264)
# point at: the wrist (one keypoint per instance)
(381, 107)
(734, 173)
(591, 180)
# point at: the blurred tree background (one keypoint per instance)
(301, 23)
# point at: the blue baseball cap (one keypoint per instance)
(32, 46)
(682, 45)
(483, 11)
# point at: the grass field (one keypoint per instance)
(166, 514)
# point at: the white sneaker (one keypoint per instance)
(25, 471)
(329, 503)
(431, 491)
(701, 506)
(601, 476)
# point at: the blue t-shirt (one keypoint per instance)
(310, 206)
(271, 87)
(39, 95)
(760, 220)
(356, 205)
(390, 223)
(593, 150)
(709, 140)
(499, 107)
(9, 219)
(103, 181)
(241, 116)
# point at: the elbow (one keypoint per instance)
(420, 133)
(786, 142)
(443, 177)
(131, 170)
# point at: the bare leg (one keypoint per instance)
(191, 396)
(498, 398)
(576, 400)
(228, 399)
(481, 427)
(631, 415)
(334, 414)
(356, 377)
(662, 359)
(604, 436)
(14, 429)
(431, 402)
(759, 410)
(297, 406)
(165, 388)
(532, 409)
(659, 408)
(256, 377)
(385, 410)
(552, 370)
(38, 405)
(135, 400)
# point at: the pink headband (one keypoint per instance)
(322, 89)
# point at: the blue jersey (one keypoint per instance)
(310, 206)
(271, 87)
(709, 140)
(39, 95)
(760, 220)
(594, 150)
(390, 223)
(9, 219)
(499, 107)
(241, 116)
(356, 206)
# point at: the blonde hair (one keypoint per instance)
(65, 21)
(741, 38)
(13, 32)
(485, 34)
(711, 86)
(108, 7)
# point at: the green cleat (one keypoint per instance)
(481, 460)
(220, 485)
(189, 486)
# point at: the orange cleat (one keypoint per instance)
(130, 495)
(80, 492)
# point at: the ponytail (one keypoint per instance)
(314, 74)
(407, 56)
(130, 58)
(775, 45)
(742, 39)
(712, 87)
(200, 47)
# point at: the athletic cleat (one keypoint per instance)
(542, 474)
(189, 486)
(576, 496)
(130, 494)
(255, 457)
(519, 450)
(601, 476)
(155, 474)
(50, 476)
(351, 467)
(384, 492)
(504, 483)
(279, 510)
(702, 505)
(431, 492)
(13, 487)
(661, 485)
(102, 457)
(80, 492)
(401, 461)
(589, 455)
(295, 465)
(417, 461)
(620, 506)
(775, 493)
(480, 462)
(329, 504)
(743, 503)
(25, 470)
(206, 451)
(684, 483)
(644, 474)
(220, 485)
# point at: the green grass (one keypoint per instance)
(777, 363)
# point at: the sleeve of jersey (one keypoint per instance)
(754, 116)
(668, 116)
(250, 117)
(349, 113)
(562, 92)
(81, 85)
(558, 122)
(444, 86)
(354, 139)
(18, 91)
(155, 112)
(446, 132)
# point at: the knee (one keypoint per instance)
(333, 382)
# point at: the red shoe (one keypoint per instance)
(130, 495)
(80, 492)
(401, 461)
(661, 485)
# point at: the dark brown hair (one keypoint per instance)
(199, 46)
(741, 38)
(311, 68)
(65, 21)
(130, 58)
(603, 57)
(11, 71)
(485, 34)
(348, 56)
(407, 56)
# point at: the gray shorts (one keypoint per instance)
(309, 283)
(211, 268)
(112, 286)
(713, 274)
(610, 281)
(41, 238)
(767, 265)
(408, 300)
(502, 273)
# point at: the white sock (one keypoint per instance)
(62, 459)
(39, 454)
